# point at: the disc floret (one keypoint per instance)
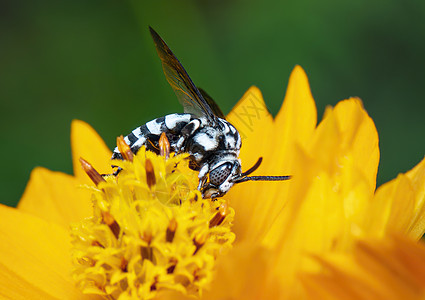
(151, 231)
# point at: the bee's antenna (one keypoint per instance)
(263, 178)
(253, 168)
(244, 176)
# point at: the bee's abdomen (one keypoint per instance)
(149, 133)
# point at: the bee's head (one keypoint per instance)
(221, 175)
(226, 172)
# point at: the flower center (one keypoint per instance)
(151, 230)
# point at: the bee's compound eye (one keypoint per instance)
(220, 174)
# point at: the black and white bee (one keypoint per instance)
(202, 131)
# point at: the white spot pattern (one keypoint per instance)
(207, 142)
(172, 120)
(137, 132)
(226, 128)
(140, 142)
(154, 127)
(230, 142)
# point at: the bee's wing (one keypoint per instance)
(214, 107)
(187, 93)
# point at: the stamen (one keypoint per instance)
(171, 230)
(124, 149)
(109, 220)
(147, 251)
(150, 174)
(124, 264)
(219, 216)
(164, 146)
(86, 261)
(147, 237)
(199, 241)
(91, 172)
(173, 262)
(153, 286)
(97, 244)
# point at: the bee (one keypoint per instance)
(202, 131)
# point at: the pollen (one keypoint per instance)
(151, 231)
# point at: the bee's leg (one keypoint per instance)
(210, 192)
(180, 142)
(202, 183)
(117, 171)
(203, 175)
(215, 196)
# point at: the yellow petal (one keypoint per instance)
(293, 127)
(249, 116)
(326, 201)
(86, 143)
(344, 155)
(386, 269)
(253, 121)
(295, 123)
(334, 283)
(329, 162)
(244, 274)
(399, 205)
(13, 286)
(417, 178)
(296, 120)
(316, 221)
(359, 136)
(56, 197)
(37, 253)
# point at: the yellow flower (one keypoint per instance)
(151, 230)
(293, 239)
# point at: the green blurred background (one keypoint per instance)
(95, 61)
